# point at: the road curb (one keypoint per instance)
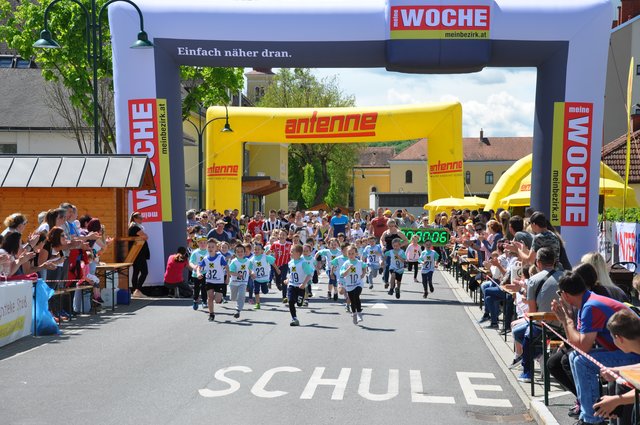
(541, 414)
(537, 409)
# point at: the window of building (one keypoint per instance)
(488, 177)
(467, 177)
(8, 148)
(408, 176)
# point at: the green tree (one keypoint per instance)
(309, 186)
(299, 88)
(69, 65)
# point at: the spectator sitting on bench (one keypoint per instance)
(541, 291)
(624, 327)
(594, 312)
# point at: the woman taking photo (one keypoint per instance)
(140, 269)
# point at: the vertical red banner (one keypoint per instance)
(576, 163)
(143, 139)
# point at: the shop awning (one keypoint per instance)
(261, 185)
(68, 171)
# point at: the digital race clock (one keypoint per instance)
(438, 237)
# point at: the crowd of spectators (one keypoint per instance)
(64, 251)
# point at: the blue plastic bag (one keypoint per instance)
(42, 320)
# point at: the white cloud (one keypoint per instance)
(499, 100)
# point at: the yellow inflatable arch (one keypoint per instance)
(509, 184)
(440, 123)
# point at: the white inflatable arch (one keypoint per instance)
(565, 40)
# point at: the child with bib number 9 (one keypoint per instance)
(300, 272)
(240, 271)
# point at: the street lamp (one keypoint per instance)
(200, 129)
(94, 48)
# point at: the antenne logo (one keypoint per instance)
(433, 22)
(440, 168)
(335, 126)
(222, 170)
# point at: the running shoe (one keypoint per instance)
(397, 293)
(294, 322)
(517, 362)
(425, 295)
(390, 292)
(524, 377)
(310, 294)
(195, 305)
(204, 306)
(335, 296)
(225, 300)
(329, 294)
(237, 315)
(257, 306)
(485, 318)
(305, 303)
(386, 285)
(360, 318)
(212, 317)
(347, 308)
(285, 300)
(574, 412)
(371, 286)
(355, 318)
(431, 288)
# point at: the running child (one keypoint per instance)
(307, 255)
(197, 255)
(328, 255)
(213, 268)
(281, 251)
(239, 270)
(428, 258)
(413, 256)
(353, 272)
(397, 258)
(227, 254)
(300, 274)
(372, 254)
(262, 265)
(248, 254)
(336, 265)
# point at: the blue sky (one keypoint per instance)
(498, 100)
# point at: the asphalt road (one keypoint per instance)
(159, 362)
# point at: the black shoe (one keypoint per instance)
(574, 412)
(425, 295)
(390, 292)
(386, 285)
(335, 297)
(484, 318)
(398, 293)
(581, 422)
(491, 326)
(212, 317)
(237, 315)
(431, 288)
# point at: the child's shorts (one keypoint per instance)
(397, 275)
(216, 287)
(261, 286)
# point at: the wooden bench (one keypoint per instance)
(544, 316)
(67, 291)
(107, 271)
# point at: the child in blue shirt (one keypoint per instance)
(352, 273)
(300, 273)
(372, 255)
(397, 258)
(428, 259)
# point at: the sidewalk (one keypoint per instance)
(560, 401)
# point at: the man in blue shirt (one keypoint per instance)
(338, 223)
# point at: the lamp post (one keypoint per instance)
(200, 129)
(94, 48)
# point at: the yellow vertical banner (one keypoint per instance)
(164, 161)
(555, 216)
(628, 153)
